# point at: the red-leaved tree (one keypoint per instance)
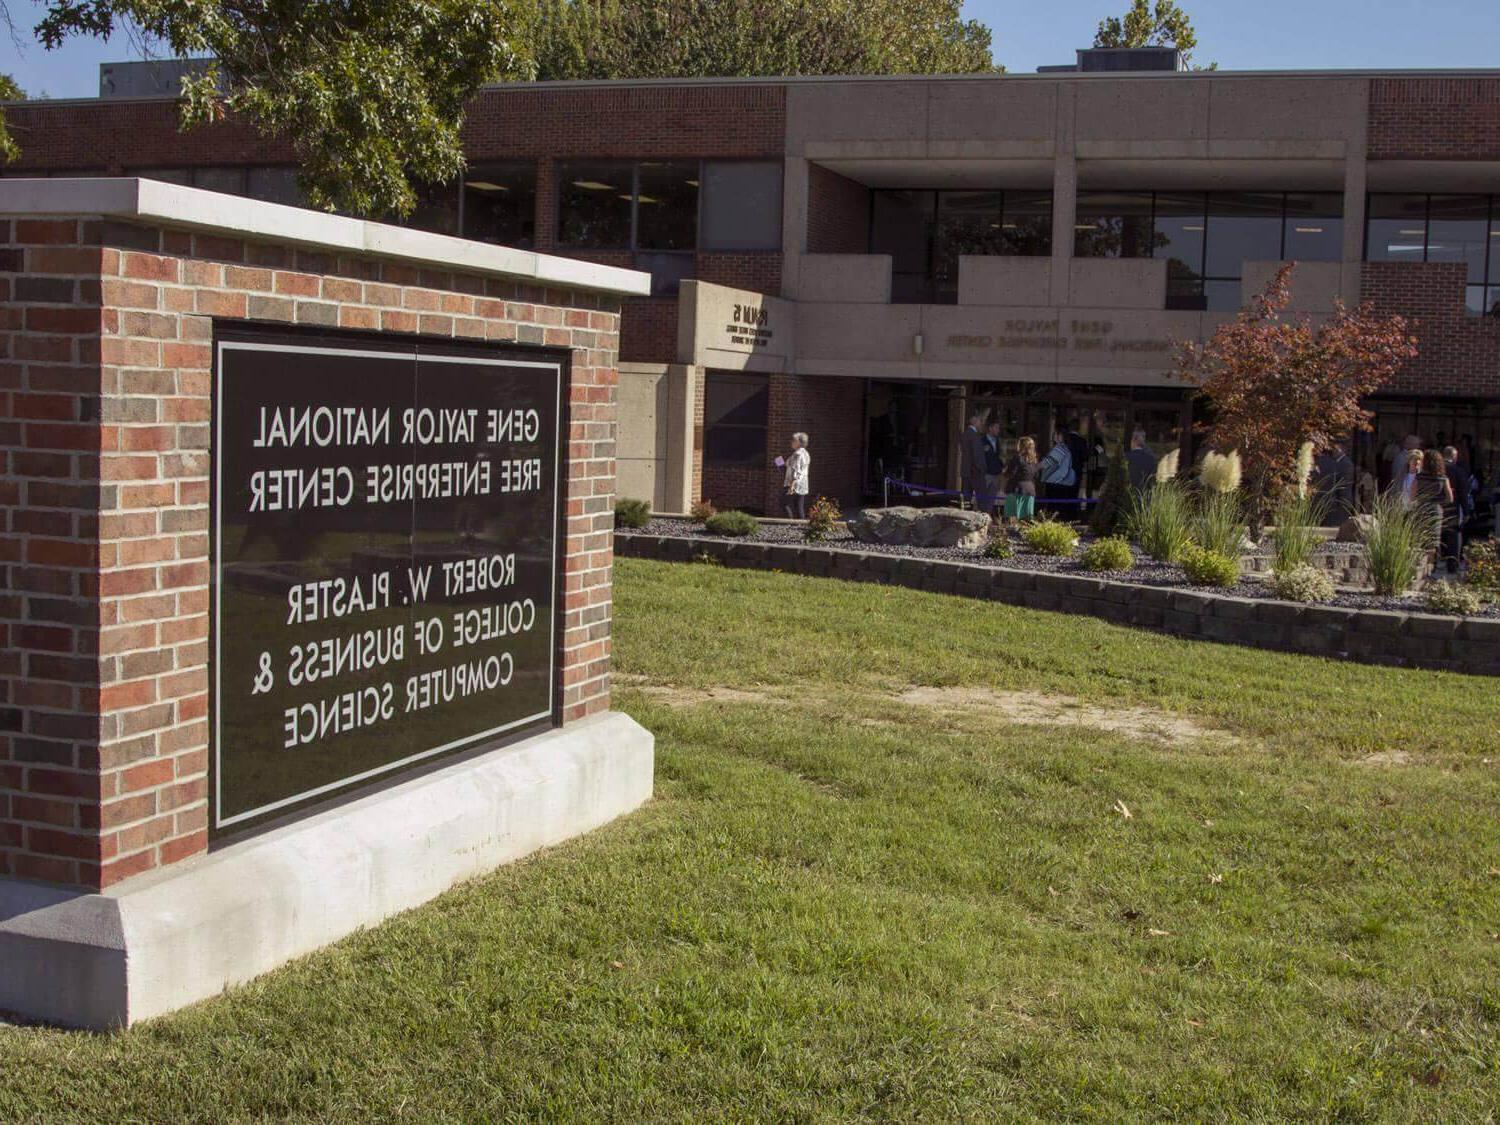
(1277, 381)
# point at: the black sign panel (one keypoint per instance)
(385, 542)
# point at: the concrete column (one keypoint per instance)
(1064, 194)
(793, 223)
(676, 486)
(1355, 186)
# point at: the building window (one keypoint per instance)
(1207, 237)
(741, 205)
(499, 203)
(736, 406)
(594, 203)
(666, 205)
(1441, 228)
(926, 232)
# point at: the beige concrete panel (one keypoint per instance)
(859, 278)
(1314, 284)
(1118, 283)
(1433, 175)
(854, 111)
(1172, 111)
(1143, 150)
(641, 438)
(991, 337)
(1308, 109)
(1003, 280)
(991, 168)
(1330, 148)
(1013, 152)
(882, 333)
(1204, 174)
(992, 111)
(737, 329)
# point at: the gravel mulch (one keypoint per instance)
(1146, 571)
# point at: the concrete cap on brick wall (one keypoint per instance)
(173, 205)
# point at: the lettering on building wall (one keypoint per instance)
(1058, 335)
(385, 562)
(750, 326)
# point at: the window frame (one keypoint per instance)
(1490, 284)
(762, 384)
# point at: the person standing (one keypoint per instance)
(1140, 462)
(1462, 482)
(1020, 481)
(971, 460)
(1056, 472)
(994, 467)
(1406, 480)
(795, 481)
(1432, 491)
(1334, 480)
(1080, 451)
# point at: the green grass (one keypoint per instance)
(842, 905)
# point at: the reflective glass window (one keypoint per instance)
(1314, 227)
(593, 206)
(1113, 224)
(667, 205)
(1242, 227)
(736, 406)
(741, 205)
(500, 203)
(1396, 228)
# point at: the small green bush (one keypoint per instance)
(1209, 568)
(1450, 597)
(701, 511)
(1482, 567)
(736, 525)
(1161, 520)
(1303, 583)
(823, 518)
(632, 513)
(1111, 553)
(999, 545)
(1397, 544)
(1048, 536)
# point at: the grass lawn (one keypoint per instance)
(889, 873)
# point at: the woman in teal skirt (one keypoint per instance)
(1020, 482)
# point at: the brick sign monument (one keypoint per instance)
(307, 532)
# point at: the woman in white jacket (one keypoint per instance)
(796, 478)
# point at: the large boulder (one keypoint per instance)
(1355, 529)
(921, 527)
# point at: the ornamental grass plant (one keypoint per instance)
(1295, 535)
(1161, 520)
(1218, 523)
(1399, 538)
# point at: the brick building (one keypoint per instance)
(867, 259)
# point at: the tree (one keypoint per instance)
(10, 91)
(370, 93)
(574, 39)
(1276, 381)
(1114, 499)
(1145, 25)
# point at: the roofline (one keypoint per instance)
(828, 79)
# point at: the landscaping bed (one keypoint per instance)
(1145, 572)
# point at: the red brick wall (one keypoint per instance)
(760, 272)
(1458, 354)
(831, 411)
(1434, 118)
(104, 517)
(838, 213)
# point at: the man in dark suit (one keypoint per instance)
(1463, 498)
(971, 459)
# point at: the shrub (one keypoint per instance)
(999, 545)
(1303, 583)
(822, 519)
(632, 513)
(1161, 520)
(1110, 553)
(1482, 567)
(701, 511)
(1218, 524)
(1398, 540)
(735, 525)
(1210, 568)
(1049, 536)
(1450, 597)
(1113, 506)
(1295, 536)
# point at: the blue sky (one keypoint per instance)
(1238, 35)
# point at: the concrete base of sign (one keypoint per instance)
(187, 932)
